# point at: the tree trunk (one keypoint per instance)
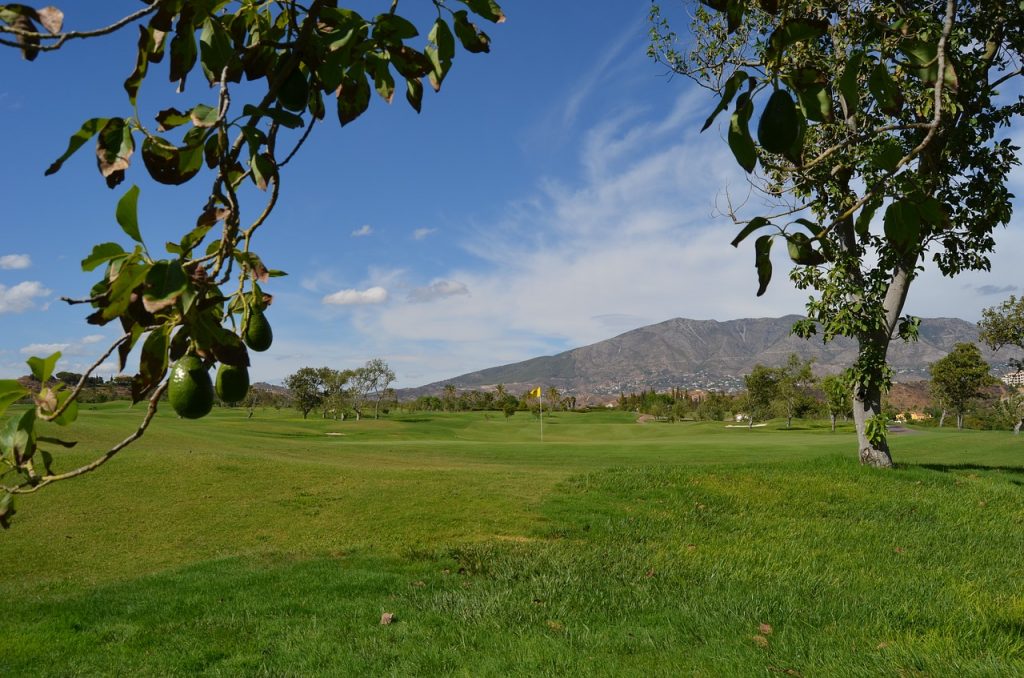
(959, 421)
(789, 421)
(750, 422)
(833, 418)
(942, 417)
(867, 402)
(1016, 428)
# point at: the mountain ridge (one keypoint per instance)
(708, 354)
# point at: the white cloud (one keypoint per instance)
(421, 233)
(15, 261)
(92, 339)
(362, 231)
(438, 289)
(21, 297)
(352, 297)
(43, 349)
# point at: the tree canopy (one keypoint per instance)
(204, 296)
(881, 144)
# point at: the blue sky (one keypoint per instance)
(555, 193)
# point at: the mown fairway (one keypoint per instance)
(229, 546)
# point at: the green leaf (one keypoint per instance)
(152, 363)
(763, 262)
(488, 9)
(165, 282)
(863, 223)
(263, 170)
(473, 40)
(127, 213)
(169, 164)
(114, 149)
(740, 141)
(183, 52)
(278, 115)
(18, 437)
(414, 94)
(393, 28)
(383, 81)
(902, 225)
(801, 250)
(42, 368)
(169, 118)
(69, 415)
(353, 97)
(10, 392)
(888, 154)
(87, 131)
(752, 225)
(848, 84)
(203, 116)
(215, 50)
(792, 32)
(101, 254)
(134, 81)
(885, 90)
(731, 86)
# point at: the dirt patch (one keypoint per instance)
(645, 418)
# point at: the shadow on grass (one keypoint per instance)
(950, 468)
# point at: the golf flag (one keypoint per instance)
(535, 392)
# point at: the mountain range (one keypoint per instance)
(709, 354)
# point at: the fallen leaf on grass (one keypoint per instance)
(417, 584)
(555, 625)
(882, 645)
(760, 641)
(650, 573)
(765, 629)
(899, 549)
(387, 618)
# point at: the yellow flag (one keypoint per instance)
(535, 392)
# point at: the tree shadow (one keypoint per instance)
(950, 468)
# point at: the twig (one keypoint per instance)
(107, 456)
(61, 38)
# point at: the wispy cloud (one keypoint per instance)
(421, 233)
(363, 231)
(15, 261)
(438, 289)
(352, 297)
(21, 297)
(987, 290)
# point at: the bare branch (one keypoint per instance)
(61, 38)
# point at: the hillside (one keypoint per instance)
(708, 354)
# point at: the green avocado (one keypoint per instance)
(190, 390)
(779, 126)
(232, 383)
(258, 335)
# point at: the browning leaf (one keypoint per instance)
(51, 18)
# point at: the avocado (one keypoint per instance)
(190, 390)
(232, 383)
(258, 335)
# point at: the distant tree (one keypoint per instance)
(958, 378)
(509, 406)
(69, 378)
(1010, 410)
(838, 397)
(1003, 325)
(449, 397)
(792, 385)
(336, 398)
(762, 389)
(377, 377)
(553, 397)
(307, 388)
(500, 393)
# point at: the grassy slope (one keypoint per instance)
(234, 546)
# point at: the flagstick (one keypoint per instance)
(542, 415)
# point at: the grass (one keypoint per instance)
(266, 547)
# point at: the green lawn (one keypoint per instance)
(229, 546)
